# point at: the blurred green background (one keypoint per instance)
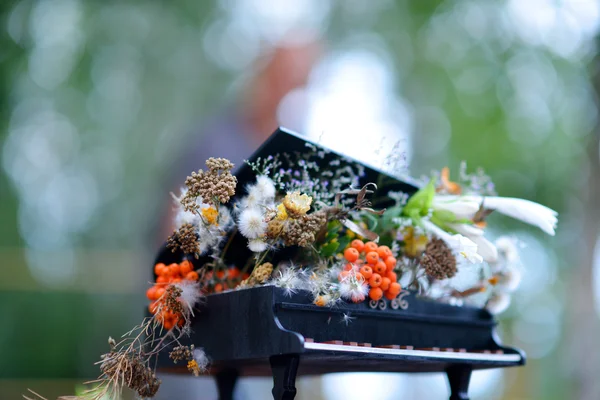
(100, 99)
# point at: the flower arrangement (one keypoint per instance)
(309, 221)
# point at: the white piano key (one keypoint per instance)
(414, 353)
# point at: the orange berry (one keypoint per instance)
(372, 257)
(390, 296)
(385, 283)
(220, 274)
(395, 288)
(384, 252)
(158, 268)
(375, 293)
(350, 267)
(390, 262)
(358, 245)
(192, 276)
(343, 274)
(392, 275)
(366, 271)
(185, 266)
(162, 279)
(380, 268)
(360, 277)
(246, 275)
(218, 288)
(152, 307)
(174, 270)
(159, 292)
(151, 293)
(180, 321)
(233, 272)
(370, 246)
(174, 280)
(351, 254)
(163, 270)
(168, 324)
(375, 280)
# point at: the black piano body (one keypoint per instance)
(265, 331)
(262, 331)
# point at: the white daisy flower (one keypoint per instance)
(498, 303)
(523, 210)
(459, 243)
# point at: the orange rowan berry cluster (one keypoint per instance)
(160, 294)
(216, 282)
(375, 265)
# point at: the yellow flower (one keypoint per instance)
(322, 301)
(210, 214)
(282, 214)
(413, 245)
(494, 280)
(447, 184)
(297, 204)
(193, 367)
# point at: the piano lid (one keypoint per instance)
(286, 141)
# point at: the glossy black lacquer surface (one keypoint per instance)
(243, 328)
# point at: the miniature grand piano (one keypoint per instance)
(263, 331)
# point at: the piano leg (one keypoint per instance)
(284, 376)
(459, 377)
(226, 379)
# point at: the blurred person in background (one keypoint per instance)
(235, 133)
(240, 127)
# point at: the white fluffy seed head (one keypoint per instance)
(257, 245)
(201, 358)
(353, 289)
(190, 295)
(225, 220)
(289, 280)
(264, 188)
(252, 224)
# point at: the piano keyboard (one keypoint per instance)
(408, 351)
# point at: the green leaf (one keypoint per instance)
(420, 202)
(343, 242)
(444, 216)
(329, 249)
